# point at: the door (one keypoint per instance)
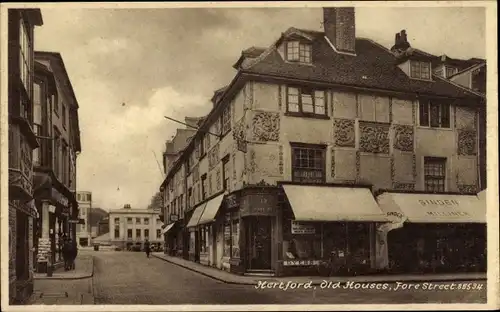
(259, 243)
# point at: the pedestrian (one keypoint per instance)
(66, 252)
(147, 248)
(73, 254)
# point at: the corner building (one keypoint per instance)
(326, 145)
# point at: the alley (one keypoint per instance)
(131, 278)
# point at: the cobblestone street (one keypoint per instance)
(131, 278)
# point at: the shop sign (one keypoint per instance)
(59, 198)
(259, 205)
(300, 262)
(302, 228)
(232, 201)
(438, 202)
(395, 214)
(174, 218)
(447, 213)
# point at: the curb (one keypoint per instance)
(68, 278)
(438, 280)
(203, 273)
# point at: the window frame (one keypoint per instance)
(204, 188)
(299, 52)
(138, 231)
(420, 64)
(301, 91)
(226, 120)
(129, 231)
(225, 176)
(314, 147)
(425, 112)
(439, 161)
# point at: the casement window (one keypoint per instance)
(434, 174)
(308, 163)
(204, 186)
(450, 71)
(226, 120)
(225, 172)
(25, 57)
(434, 114)
(306, 101)
(420, 70)
(297, 51)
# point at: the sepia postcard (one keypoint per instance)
(263, 156)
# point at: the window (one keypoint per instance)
(117, 232)
(129, 233)
(63, 113)
(138, 234)
(137, 220)
(158, 233)
(202, 147)
(146, 221)
(226, 120)
(235, 238)
(225, 172)
(25, 57)
(203, 238)
(129, 220)
(181, 205)
(308, 164)
(298, 52)
(204, 186)
(432, 114)
(146, 233)
(190, 197)
(57, 157)
(420, 70)
(450, 71)
(434, 174)
(117, 220)
(306, 101)
(227, 235)
(55, 101)
(207, 142)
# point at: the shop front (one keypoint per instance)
(328, 224)
(169, 239)
(209, 231)
(195, 233)
(440, 233)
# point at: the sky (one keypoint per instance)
(131, 67)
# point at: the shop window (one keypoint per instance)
(203, 239)
(434, 174)
(227, 235)
(308, 163)
(235, 238)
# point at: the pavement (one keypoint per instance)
(73, 287)
(230, 278)
(84, 268)
(124, 278)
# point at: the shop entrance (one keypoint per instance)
(259, 231)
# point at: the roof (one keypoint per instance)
(460, 63)
(468, 69)
(67, 82)
(373, 66)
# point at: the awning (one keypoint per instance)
(211, 209)
(327, 203)
(167, 228)
(433, 208)
(195, 218)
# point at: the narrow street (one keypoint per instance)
(131, 278)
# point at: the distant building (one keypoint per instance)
(83, 236)
(103, 226)
(133, 226)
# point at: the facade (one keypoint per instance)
(57, 127)
(103, 227)
(311, 152)
(83, 233)
(129, 227)
(22, 142)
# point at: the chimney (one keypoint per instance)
(340, 28)
(401, 43)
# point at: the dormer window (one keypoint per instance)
(297, 51)
(450, 71)
(420, 70)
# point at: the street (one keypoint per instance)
(131, 278)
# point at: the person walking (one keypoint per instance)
(66, 253)
(73, 253)
(147, 248)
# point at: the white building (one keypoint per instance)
(128, 227)
(83, 233)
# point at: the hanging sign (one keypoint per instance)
(302, 228)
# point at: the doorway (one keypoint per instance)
(259, 238)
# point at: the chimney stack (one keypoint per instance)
(401, 43)
(340, 28)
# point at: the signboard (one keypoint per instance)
(302, 228)
(300, 262)
(174, 217)
(232, 201)
(259, 205)
(59, 198)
